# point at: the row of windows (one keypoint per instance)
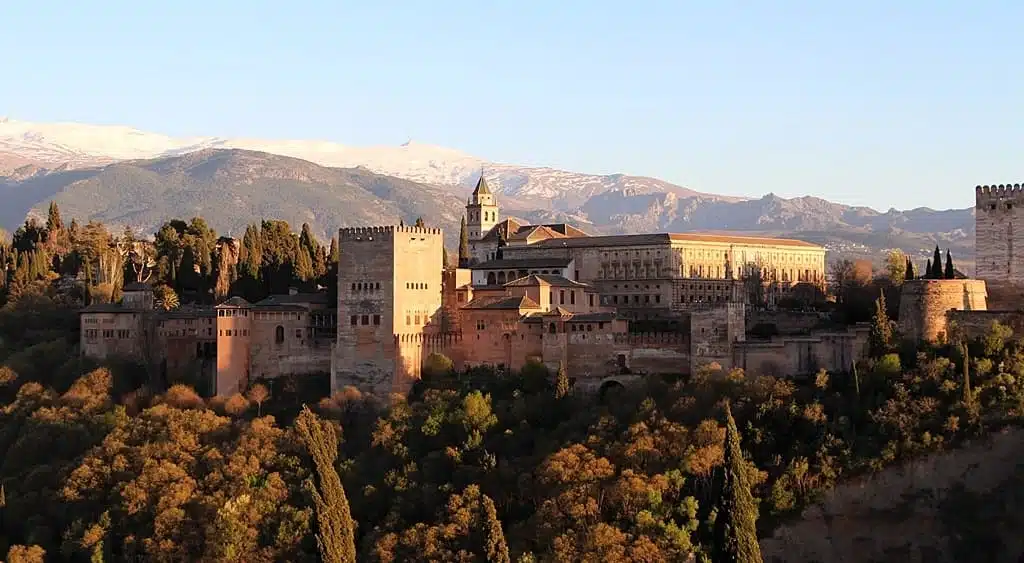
(615, 299)
(416, 285)
(233, 332)
(572, 297)
(364, 319)
(277, 315)
(93, 333)
(366, 286)
(415, 319)
(232, 313)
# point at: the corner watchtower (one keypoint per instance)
(999, 233)
(481, 211)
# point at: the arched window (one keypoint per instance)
(491, 279)
(501, 277)
(279, 334)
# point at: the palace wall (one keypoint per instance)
(924, 305)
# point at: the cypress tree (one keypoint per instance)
(444, 258)
(735, 528)
(950, 270)
(927, 270)
(910, 269)
(561, 383)
(335, 536)
(937, 273)
(303, 267)
(880, 339)
(497, 547)
(251, 253)
(53, 221)
(463, 245)
(968, 396)
(419, 223)
(333, 256)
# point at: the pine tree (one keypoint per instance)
(53, 220)
(463, 245)
(936, 273)
(419, 223)
(335, 529)
(950, 272)
(735, 528)
(561, 383)
(910, 269)
(927, 270)
(880, 339)
(497, 547)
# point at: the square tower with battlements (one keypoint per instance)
(389, 298)
(999, 236)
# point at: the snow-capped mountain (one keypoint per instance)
(81, 145)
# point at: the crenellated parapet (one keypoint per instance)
(365, 233)
(996, 193)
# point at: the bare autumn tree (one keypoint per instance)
(335, 529)
(258, 393)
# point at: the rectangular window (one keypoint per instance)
(298, 333)
(376, 320)
(366, 320)
(572, 297)
(355, 320)
(417, 319)
(591, 299)
(561, 297)
(657, 299)
(408, 320)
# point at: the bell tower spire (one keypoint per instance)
(481, 210)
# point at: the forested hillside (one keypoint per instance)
(103, 463)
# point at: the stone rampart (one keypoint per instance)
(976, 324)
(924, 305)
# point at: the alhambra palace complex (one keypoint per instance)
(608, 308)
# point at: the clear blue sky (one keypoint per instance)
(888, 104)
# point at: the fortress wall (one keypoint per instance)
(924, 305)
(974, 324)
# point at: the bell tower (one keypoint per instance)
(481, 211)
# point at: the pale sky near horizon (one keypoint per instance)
(887, 104)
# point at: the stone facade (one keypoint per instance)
(999, 241)
(389, 295)
(925, 304)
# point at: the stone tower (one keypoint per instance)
(389, 297)
(481, 211)
(999, 239)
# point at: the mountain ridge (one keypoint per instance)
(72, 159)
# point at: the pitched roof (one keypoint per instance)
(107, 308)
(502, 229)
(481, 186)
(594, 317)
(318, 298)
(514, 303)
(667, 238)
(527, 232)
(549, 279)
(559, 312)
(234, 302)
(514, 263)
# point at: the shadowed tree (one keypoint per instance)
(463, 245)
(419, 223)
(335, 529)
(880, 339)
(910, 269)
(950, 272)
(936, 272)
(561, 383)
(927, 274)
(735, 528)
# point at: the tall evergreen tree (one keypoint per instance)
(54, 223)
(444, 258)
(251, 255)
(561, 383)
(497, 547)
(910, 269)
(335, 529)
(880, 339)
(936, 273)
(463, 245)
(968, 397)
(735, 528)
(420, 223)
(304, 267)
(333, 256)
(927, 274)
(950, 272)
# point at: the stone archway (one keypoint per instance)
(610, 389)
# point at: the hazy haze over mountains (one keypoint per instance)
(123, 175)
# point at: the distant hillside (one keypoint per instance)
(230, 188)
